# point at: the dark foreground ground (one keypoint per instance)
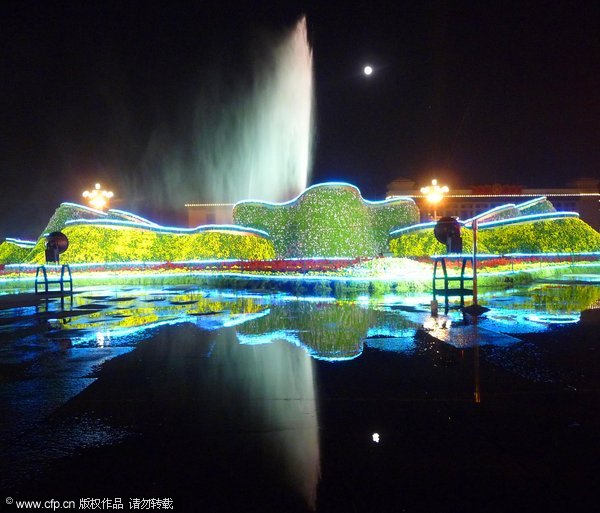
(530, 444)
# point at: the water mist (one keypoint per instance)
(248, 140)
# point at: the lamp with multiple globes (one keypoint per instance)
(97, 197)
(434, 194)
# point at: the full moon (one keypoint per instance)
(367, 70)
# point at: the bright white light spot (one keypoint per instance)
(367, 70)
(376, 437)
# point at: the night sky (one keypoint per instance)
(468, 92)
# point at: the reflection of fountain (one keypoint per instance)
(270, 392)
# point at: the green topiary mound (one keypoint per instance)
(71, 211)
(13, 252)
(422, 243)
(328, 220)
(566, 235)
(560, 235)
(106, 243)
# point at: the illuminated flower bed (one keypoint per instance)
(561, 233)
(328, 220)
(517, 262)
(334, 234)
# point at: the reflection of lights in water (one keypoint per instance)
(309, 299)
(555, 319)
(439, 322)
(102, 339)
(291, 337)
(376, 438)
(242, 318)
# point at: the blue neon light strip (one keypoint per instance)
(414, 227)
(83, 207)
(133, 216)
(490, 224)
(291, 337)
(490, 212)
(21, 243)
(530, 203)
(326, 184)
(167, 229)
(532, 217)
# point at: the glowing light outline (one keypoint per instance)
(530, 217)
(168, 229)
(26, 244)
(324, 184)
(536, 317)
(291, 337)
(416, 227)
(90, 209)
(135, 216)
(530, 203)
(495, 210)
(489, 224)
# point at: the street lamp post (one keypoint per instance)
(434, 194)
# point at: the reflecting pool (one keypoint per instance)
(219, 399)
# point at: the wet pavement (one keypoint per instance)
(223, 401)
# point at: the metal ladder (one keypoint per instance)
(41, 277)
(446, 290)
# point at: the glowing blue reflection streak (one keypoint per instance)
(555, 319)
(245, 317)
(290, 337)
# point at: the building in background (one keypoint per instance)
(209, 213)
(582, 196)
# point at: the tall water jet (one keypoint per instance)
(263, 149)
(252, 130)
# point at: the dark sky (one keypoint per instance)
(470, 92)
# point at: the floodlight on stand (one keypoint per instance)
(56, 243)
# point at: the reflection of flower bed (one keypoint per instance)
(328, 330)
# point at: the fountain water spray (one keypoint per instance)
(251, 132)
